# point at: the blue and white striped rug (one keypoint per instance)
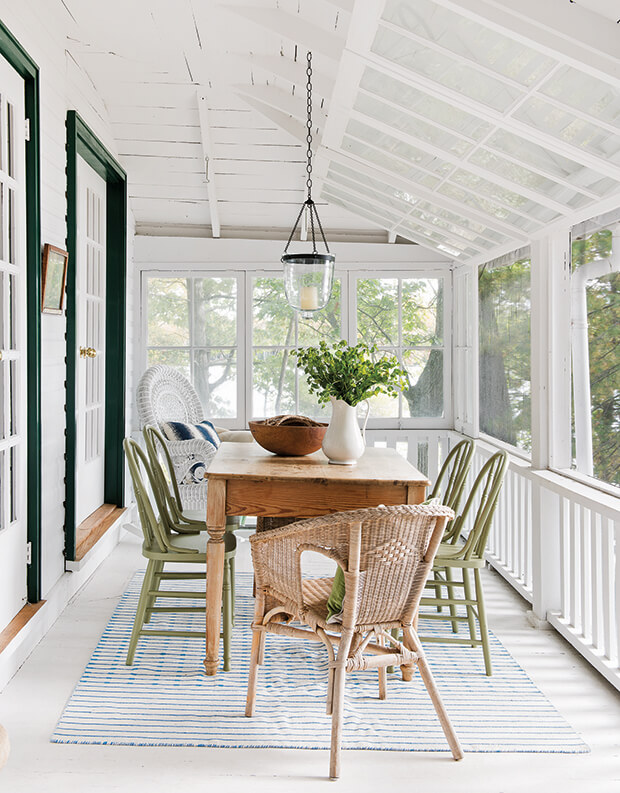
(165, 699)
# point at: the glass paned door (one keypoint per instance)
(90, 375)
(13, 537)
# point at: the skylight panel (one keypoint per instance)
(354, 204)
(470, 39)
(455, 231)
(445, 70)
(383, 160)
(461, 220)
(414, 127)
(433, 109)
(396, 202)
(598, 99)
(523, 176)
(398, 147)
(551, 163)
(512, 199)
(490, 207)
(564, 125)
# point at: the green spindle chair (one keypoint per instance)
(464, 551)
(168, 497)
(454, 469)
(161, 546)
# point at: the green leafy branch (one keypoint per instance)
(350, 373)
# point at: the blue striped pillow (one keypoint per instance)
(179, 431)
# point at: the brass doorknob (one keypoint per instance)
(88, 352)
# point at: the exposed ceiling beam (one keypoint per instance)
(283, 120)
(293, 72)
(207, 150)
(294, 27)
(293, 106)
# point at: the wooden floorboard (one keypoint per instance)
(94, 527)
(18, 622)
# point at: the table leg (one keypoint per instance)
(216, 526)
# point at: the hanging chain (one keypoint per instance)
(309, 125)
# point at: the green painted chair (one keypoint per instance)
(168, 498)
(450, 482)
(463, 553)
(161, 546)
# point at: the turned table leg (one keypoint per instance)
(216, 526)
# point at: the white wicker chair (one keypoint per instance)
(163, 394)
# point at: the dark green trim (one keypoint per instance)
(19, 59)
(81, 141)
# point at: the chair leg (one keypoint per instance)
(412, 642)
(143, 602)
(471, 615)
(453, 611)
(232, 589)
(258, 645)
(226, 614)
(337, 702)
(382, 671)
(157, 568)
(482, 618)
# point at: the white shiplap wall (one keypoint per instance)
(63, 86)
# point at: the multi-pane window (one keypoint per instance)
(192, 325)
(405, 317)
(504, 349)
(242, 362)
(595, 318)
(277, 384)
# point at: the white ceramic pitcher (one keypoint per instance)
(343, 443)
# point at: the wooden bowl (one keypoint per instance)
(288, 441)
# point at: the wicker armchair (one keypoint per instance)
(163, 394)
(386, 554)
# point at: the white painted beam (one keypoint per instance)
(207, 150)
(293, 27)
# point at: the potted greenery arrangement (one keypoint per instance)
(346, 376)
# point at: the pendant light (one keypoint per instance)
(308, 277)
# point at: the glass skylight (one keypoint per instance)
(581, 91)
(445, 70)
(469, 39)
(383, 160)
(429, 107)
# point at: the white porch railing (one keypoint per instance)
(556, 541)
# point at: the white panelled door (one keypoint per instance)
(13, 427)
(90, 338)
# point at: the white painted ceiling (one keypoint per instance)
(464, 127)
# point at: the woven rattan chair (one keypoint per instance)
(386, 554)
(163, 395)
(463, 552)
(161, 546)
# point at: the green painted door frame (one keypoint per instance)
(23, 64)
(81, 141)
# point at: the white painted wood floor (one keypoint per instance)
(34, 699)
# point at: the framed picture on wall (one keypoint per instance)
(53, 278)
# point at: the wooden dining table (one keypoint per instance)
(244, 479)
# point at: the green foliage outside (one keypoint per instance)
(504, 352)
(603, 301)
(199, 314)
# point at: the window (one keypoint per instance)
(241, 362)
(504, 348)
(277, 385)
(595, 318)
(192, 326)
(405, 317)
